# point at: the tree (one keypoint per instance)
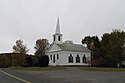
(113, 47)
(41, 47)
(20, 48)
(88, 41)
(93, 44)
(110, 51)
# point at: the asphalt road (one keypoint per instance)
(69, 75)
(7, 79)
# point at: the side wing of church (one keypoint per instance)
(66, 53)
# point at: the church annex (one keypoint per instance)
(66, 53)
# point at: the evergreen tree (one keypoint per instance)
(113, 47)
(93, 44)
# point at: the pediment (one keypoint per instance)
(54, 47)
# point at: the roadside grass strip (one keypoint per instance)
(103, 69)
(37, 68)
(25, 81)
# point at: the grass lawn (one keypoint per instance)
(37, 68)
(103, 69)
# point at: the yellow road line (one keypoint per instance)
(15, 77)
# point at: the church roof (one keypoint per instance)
(73, 47)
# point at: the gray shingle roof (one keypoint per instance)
(73, 47)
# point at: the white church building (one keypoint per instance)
(66, 53)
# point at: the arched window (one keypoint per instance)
(53, 58)
(70, 58)
(57, 56)
(84, 59)
(77, 59)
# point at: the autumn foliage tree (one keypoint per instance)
(41, 47)
(20, 48)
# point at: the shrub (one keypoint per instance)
(43, 61)
(18, 59)
(28, 62)
(35, 61)
(5, 61)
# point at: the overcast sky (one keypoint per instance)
(30, 20)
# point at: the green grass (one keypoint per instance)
(37, 68)
(61, 68)
(103, 69)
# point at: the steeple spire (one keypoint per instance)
(57, 37)
(57, 27)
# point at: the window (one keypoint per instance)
(54, 38)
(50, 57)
(58, 38)
(57, 56)
(70, 58)
(84, 59)
(53, 58)
(77, 59)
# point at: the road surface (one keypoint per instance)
(69, 75)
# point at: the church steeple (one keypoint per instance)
(57, 27)
(57, 37)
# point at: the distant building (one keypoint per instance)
(66, 53)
